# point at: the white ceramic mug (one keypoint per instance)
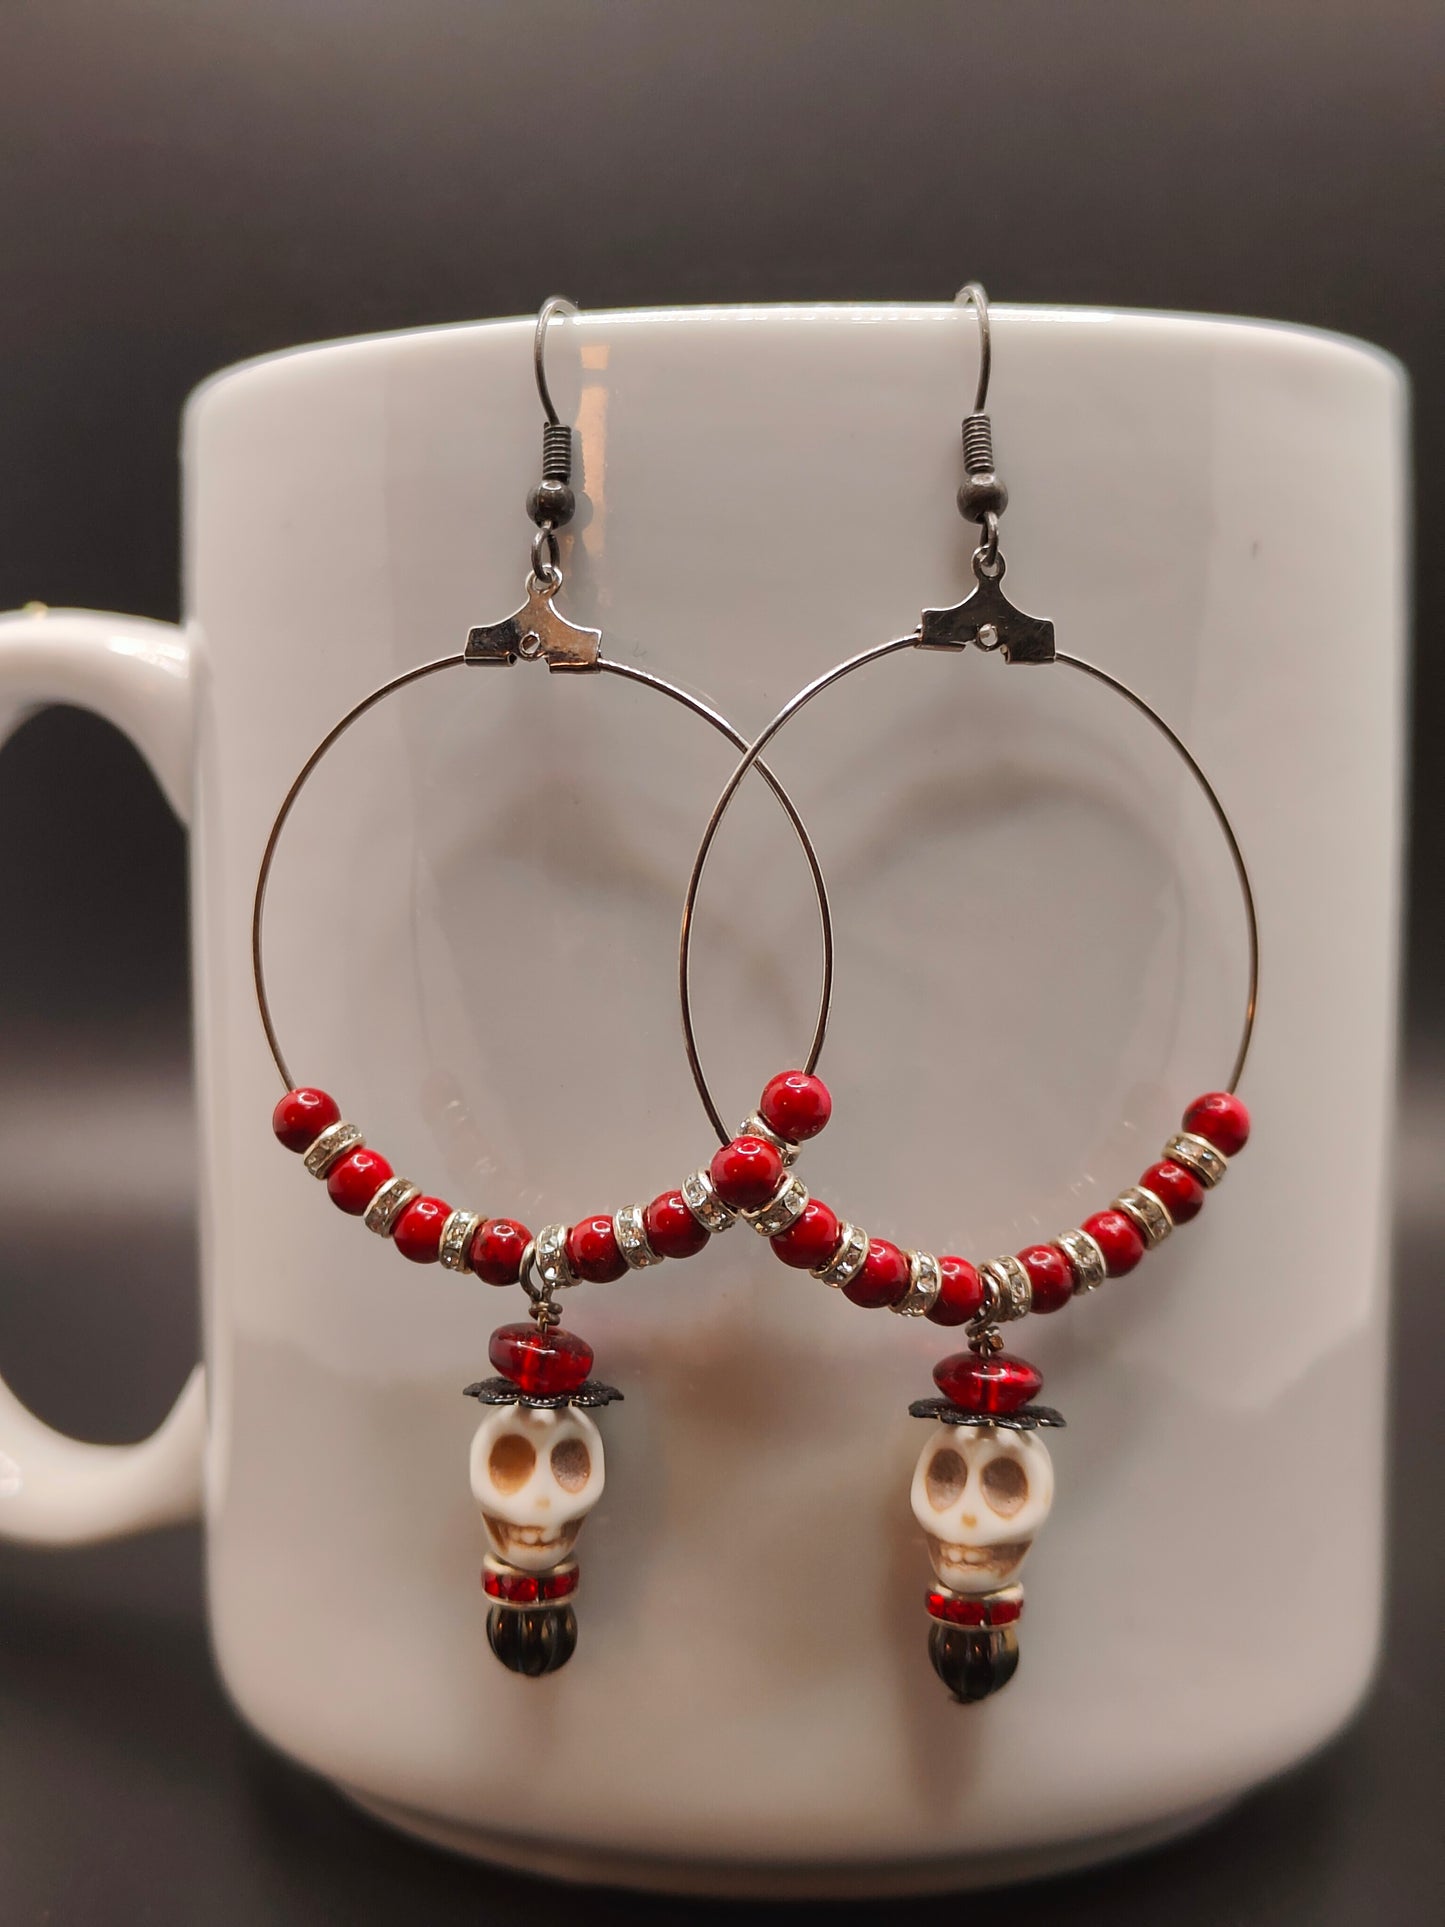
(1040, 962)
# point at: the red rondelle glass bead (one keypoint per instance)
(811, 1239)
(883, 1279)
(302, 1115)
(545, 1364)
(672, 1230)
(997, 1382)
(356, 1180)
(594, 1252)
(796, 1105)
(1119, 1238)
(1221, 1120)
(529, 1588)
(1050, 1274)
(985, 1611)
(1178, 1190)
(417, 1233)
(960, 1295)
(497, 1247)
(746, 1173)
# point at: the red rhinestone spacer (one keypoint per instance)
(354, 1182)
(544, 1364)
(1119, 1238)
(1050, 1274)
(959, 1611)
(529, 1588)
(594, 1252)
(1178, 1190)
(883, 1279)
(996, 1383)
(417, 1233)
(796, 1105)
(497, 1247)
(1221, 1120)
(672, 1230)
(811, 1239)
(746, 1173)
(302, 1115)
(960, 1296)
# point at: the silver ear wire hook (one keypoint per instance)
(972, 295)
(555, 304)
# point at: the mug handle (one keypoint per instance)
(56, 1490)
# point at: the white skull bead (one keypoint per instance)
(981, 1492)
(537, 1471)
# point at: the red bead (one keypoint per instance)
(960, 1296)
(883, 1279)
(811, 1239)
(998, 1382)
(497, 1247)
(984, 1611)
(1050, 1274)
(1221, 1120)
(529, 1588)
(418, 1231)
(301, 1116)
(672, 1230)
(795, 1105)
(356, 1180)
(594, 1252)
(1119, 1238)
(746, 1173)
(1178, 1190)
(545, 1364)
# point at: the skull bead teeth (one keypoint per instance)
(982, 1489)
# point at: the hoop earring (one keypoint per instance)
(983, 1484)
(536, 1461)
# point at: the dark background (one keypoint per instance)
(182, 186)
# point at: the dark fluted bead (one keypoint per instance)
(532, 1640)
(973, 1662)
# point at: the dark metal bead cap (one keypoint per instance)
(973, 1663)
(981, 495)
(552, 504)
(532, 1640)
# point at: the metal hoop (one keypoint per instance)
(628, 673)
(836, 674)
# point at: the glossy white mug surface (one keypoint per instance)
(1040, 961)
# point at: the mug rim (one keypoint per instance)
(1251, 330)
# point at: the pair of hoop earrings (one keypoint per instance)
(983, 1483)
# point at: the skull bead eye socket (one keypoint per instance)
(1005, 1485)
(511, 1461)
(571, 1464)
(945, 1478)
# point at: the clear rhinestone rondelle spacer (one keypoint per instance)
(630, 1229)
(700, 1196)
(388, 1204)
(335, 1142)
